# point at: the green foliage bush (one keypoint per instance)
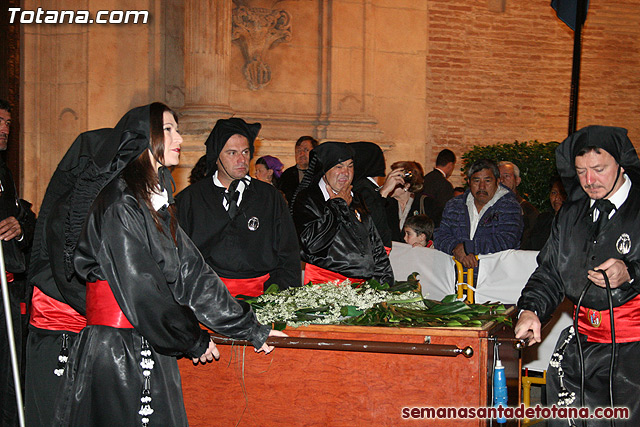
(536, 160)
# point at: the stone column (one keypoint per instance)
(207, 55)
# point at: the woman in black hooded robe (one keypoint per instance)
(147, 290)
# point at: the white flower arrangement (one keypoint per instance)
(323, 303)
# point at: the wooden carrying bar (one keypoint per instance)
(358, 345)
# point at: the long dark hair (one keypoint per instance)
(141, 177)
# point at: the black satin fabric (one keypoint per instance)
(571, 251)
(375, 205)
(597, 356)
(41, 384)
(103, 386)
(165, 290)
(332, 237)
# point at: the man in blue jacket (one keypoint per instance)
(487, 218)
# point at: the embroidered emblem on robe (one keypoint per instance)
(623, 245)
(595, 317)
(253, 224)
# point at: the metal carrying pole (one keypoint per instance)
(581, 13)
(357, 345)
(10, 337)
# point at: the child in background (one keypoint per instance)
(418, 231)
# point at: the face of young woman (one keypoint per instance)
(172, 140)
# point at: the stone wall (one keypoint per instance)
(413, 75)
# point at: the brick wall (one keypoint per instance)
(505, 76)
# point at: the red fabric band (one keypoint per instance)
(102, 307)
(9, 277)
(252, 287)
(315, 274)
(53, 315)
(596, 325)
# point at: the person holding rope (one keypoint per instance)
(592, 257)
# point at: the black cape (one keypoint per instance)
(233, 248)
(165, 290)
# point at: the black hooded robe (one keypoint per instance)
(260, 239)
(563, 263)
(163, 288)
(368, 162)
(54, 323)
(333, 235)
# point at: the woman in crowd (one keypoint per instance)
(147, 288)
(542, 228)
(405, 200)
(338, 239)
(269, 170)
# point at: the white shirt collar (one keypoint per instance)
(323, 188)
(617, 198)
(159, 199)
(474, 215)
(241, 187)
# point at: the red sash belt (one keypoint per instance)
(596, 325)
(102, 307)
(23, 305)
(252, 287)
(53, 315)
(315, 274)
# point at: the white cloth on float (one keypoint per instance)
(501, 277)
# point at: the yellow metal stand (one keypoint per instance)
(526, 392)
(464, 286)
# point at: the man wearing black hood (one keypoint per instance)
(241, 225)
(338, 239)
(595, 231)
